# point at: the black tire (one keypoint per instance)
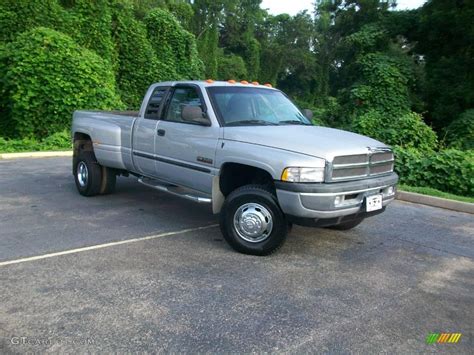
(347, 225)
(256, 195)
(109, 179)
(90, 184)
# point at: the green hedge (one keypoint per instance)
(89, 23)
(231, 67)
(56, 141)
(449, 170)
(138, 65)
(460, 133)
(46, 76)
(17, 16)
(174, 46)
(407, 130)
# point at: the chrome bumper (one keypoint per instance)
(323, 201)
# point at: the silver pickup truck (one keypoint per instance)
(243, 148)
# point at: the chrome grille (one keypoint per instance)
(349, 167)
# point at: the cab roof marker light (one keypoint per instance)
(231, 81)
(245, 82)
(255, 83)
(209, 81)
(268, 85)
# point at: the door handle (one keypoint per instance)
(161, 132)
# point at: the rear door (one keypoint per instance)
(186, 150)
(145, 131)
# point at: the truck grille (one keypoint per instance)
(350, 167)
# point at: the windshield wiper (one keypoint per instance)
(251, 122)
(295, 122)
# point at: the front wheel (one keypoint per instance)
(252, 222)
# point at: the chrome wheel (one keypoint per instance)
(82, 174)
(253, 222)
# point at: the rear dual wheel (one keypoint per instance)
(91, 178)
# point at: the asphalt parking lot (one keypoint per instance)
(383, 286)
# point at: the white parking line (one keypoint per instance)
(106, 245)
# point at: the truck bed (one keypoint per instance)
(112, 135)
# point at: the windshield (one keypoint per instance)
(247, 106)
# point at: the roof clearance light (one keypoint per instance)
(268, 85)
(231, 81)
(245, 82)
(255, 83)
(210, 81)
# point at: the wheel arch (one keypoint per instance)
(82, 142)
(233, 175)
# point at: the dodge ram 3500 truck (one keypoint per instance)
(246, 150)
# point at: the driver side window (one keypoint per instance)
(182, 97)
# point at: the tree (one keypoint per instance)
(445, 39)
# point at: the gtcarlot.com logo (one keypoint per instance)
(443, 338)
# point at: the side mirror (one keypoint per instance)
(308, 113)
(194, 114)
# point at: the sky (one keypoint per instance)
(292, 7)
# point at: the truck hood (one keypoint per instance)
(321, 142)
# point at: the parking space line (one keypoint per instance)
(101, 246)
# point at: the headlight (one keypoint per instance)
(303, 174)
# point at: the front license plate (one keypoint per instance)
(373, 203)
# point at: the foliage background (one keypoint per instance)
(403, 77)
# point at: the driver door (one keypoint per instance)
(186, 149)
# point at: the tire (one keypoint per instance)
(257, 205)
(109, 179)
(87, 174)
(347, 225)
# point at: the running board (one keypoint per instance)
(187, 194)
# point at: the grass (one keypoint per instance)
(433, 192)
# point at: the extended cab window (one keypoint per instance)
(182, 96)
(153, 108)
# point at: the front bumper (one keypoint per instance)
(334, 200)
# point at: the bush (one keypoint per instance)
(17, 16)
(174, 46)
(408, 162)
(322, 113)
(46, 77)
(231, 67)
(57, 141)
(407, 131)
(460, 133)
(183, 12)
(449, 170)
(89, 23)
(383, 88)
(138, 64)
